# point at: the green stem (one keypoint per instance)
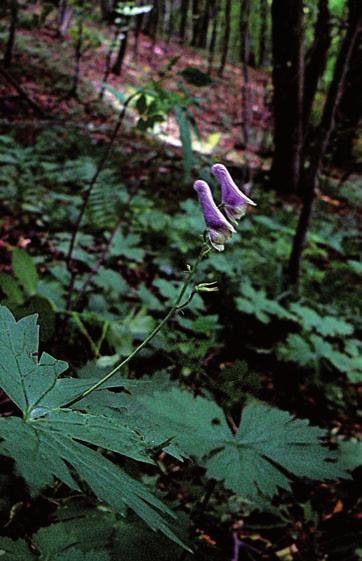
(153, 333)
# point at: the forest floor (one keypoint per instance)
(45, 61)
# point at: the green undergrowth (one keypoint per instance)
(212, 399)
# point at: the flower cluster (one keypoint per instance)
(220, 228)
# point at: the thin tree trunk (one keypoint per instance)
(8, 57)
(263, 32)
(171, 20)
(204, 25)
(288, 81)
(151, 20)
(78, 55)
(107, 10)
(162, 17)
(137, 31)
(108, 63)
(64, 17)
(214, 16)
(245, 53)
(155, 17)
(350, 110)
(322, 137)
(244, 31)
(316, 59)
(195, 22)
(225, 47)
(183, 20)
(117, 67)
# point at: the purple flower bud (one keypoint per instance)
(233, 199)
(218, 228)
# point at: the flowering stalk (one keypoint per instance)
(178, 304)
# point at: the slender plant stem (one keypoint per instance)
(96, 267)
(86, 196)
(153, 333)
(108, 63)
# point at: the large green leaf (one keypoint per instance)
(25, 270)
(96, 429)
(52, 442)
(23, 376)
(90, 534)
(11, 289)
(19, 551)
(15, 550)
(269, 445)
(165, 413)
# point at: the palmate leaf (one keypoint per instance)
(25, 379)
(19, 551)
(269, 447)
(52, 442)
(92, 534)
(15, 550)
(164, 412)
(86, 536)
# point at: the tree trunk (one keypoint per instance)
(350, 110)
(226, 40)
(162, 17)
(322, 136)
(245, 54)
(8, 57)
(316, 60)
(204, 25)
(137, 31)
(78, 55)
(288, 80)
(214, 17)
(263, 32)
(107, 70)
(244, 31)
(64, 17)
(195, 22)
(117, 67)
(107, 8)
(151, 22)
(170, 20)
(183, 20)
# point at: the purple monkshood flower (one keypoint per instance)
(218, 228)
(233, 199)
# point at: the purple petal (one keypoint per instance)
(219, 229)
(232, 198)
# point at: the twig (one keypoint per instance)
(86, 196)
(108, 63)
(236, 546)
